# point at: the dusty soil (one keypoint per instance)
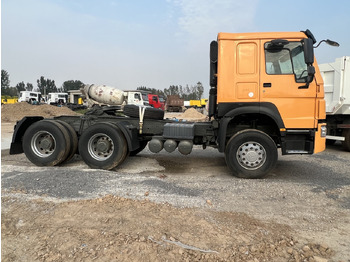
(15, 112)
(190, 114)
(118, 229)
(112, 228)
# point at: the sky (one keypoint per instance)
(158, 43)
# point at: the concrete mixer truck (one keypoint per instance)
(103, 95)
(266, 94)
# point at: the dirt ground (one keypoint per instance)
(118, 229)
(112, 228)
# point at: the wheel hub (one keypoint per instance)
(46, 143)
(103, 145)
(100, 147)
(43, 144)
(251, 155)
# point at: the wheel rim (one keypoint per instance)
(251, 155)
(100, 147)
(43, 144)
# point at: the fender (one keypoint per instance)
(20, 128)
(131, 133)
(232, 110)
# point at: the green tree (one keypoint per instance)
(29, 87)
(72, 85)
(9, 92)
(151, 90)
(172, 90)
(5, 81)
(20, 87)
(200, 90)
(187, 93)
(46, 86)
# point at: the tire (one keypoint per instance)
(150, 112)
(46, 143)
(346, 143)
(258, 146)
(73, 140)
(143, 144)
(103, 146)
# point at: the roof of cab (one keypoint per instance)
(264, 35)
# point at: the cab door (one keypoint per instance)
(283, 83)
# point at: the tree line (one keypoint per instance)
(44, 86)
(193, 92)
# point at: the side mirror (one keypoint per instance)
(308, 50)
(332, 43)
(310, 76)
(329, 42)
(310, 73)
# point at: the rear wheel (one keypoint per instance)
(251, 154)
(73, 140)
(103, 146)
(46, 143)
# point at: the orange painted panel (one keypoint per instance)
(238, 71)
(247, 58)
(247, 91)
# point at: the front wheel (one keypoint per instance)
(251, 154)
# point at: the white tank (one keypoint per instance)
(101, 94)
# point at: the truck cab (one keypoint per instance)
(268, 82)
(155, 102)
(135, 98)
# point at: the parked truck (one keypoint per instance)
(57, 98)
(154, 101)
(6, 101)
(201, 103)
(174, 103)
(336, 77)
(266, 93)
(30, 96)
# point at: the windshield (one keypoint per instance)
(145, 97)
(288, 59)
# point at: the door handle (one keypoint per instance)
(267, 85)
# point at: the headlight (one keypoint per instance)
(323, 131)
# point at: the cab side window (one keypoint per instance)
(137, 96)
(278, 62)
(286, 59)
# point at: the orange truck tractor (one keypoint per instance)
(266, 94)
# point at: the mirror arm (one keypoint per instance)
(319, 43)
